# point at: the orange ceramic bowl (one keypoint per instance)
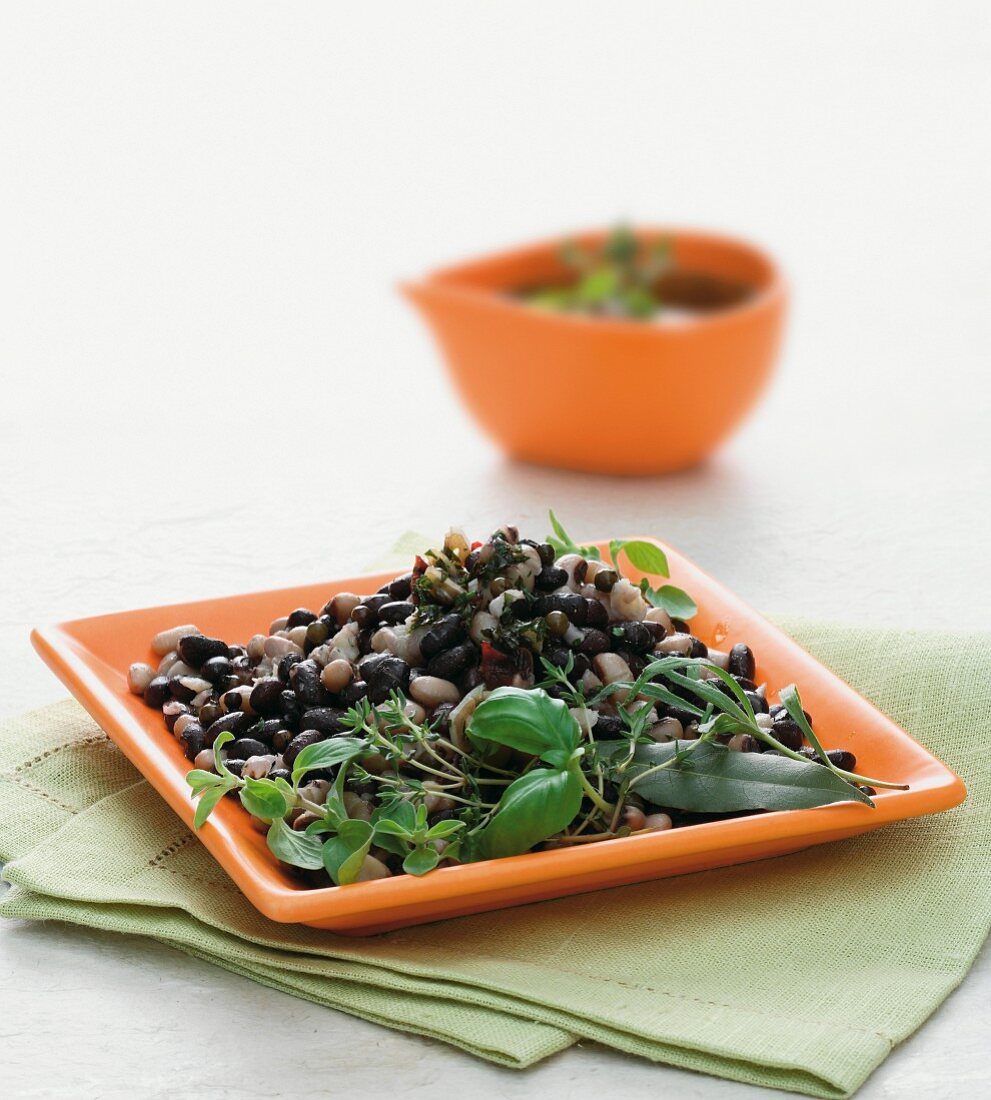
(607, 396)
(91, 656)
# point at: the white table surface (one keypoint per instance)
(209, 385)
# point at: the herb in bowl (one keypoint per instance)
(502, 696)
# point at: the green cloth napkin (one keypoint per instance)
(800, 972)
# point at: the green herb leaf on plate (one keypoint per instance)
(528, 720)
(263, 799)
(712, 779)
(327, 754)
(299, 849)
(532, 808)
(421, 860)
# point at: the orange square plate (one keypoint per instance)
(91, 657)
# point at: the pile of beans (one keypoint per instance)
(464, 621)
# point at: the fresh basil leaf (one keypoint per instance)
(299, 849)
(206, 803)
(421, 860)
(675, 601)
(647, 557)
(262, 798)
(326, 754)
(713, 779)
(532, 808)
(528, 720)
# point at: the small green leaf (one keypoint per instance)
(675, 601)
(344, 854)
(421, 860)
(326, 754)
(443, 829)
(532, 808)
(201, 780)
(385, 827)
(221, 767)
(207, 802)
(299, 849)
(528, 720)
(647, 557)
(401, 812)
(263, 799)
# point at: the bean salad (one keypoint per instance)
(501, 697)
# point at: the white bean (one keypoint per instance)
(659, 615)
(276, 647)
(166, 640)
(658, 822)
(181, 723)
(668, 729)
(139, 676)
(373, 869)
(481, 622)
(719, 658)
(626, 601)
(257, 767)
(681, 644)
(278, 624)
(431, 691)
(336, 675)
(256, 647)
(204, 761)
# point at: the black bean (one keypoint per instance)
(300, 742)
(551, 577)
(326, 720)
(316, 634)
(354, 691)
(305, 680)
(546, 553)
(193, 740)
(442, 635)
(281, 739)
(758, 702)
(280, 773)
(266, 696)
(685, 717)
(787, 732)
(452, 662)
(285, 664)
(267, 730)
(680, 626)
(775, 709)
(291, 709)
(216, 669)
(172, 710)
(302, 616)
(178, 690)
(364, 640)
(400, 588)
(607, 726)
(596, 614)
(383, 674)
(594, 642)
(699, 648)
(196, 649)
(209, 713)
(237, 651)
(573, 605)
(741, 661)
(156, 694)
(605, 580)
(842, 759)
(869, 791)
(227, 683)
(634, 636)
(556, 654)
(232, 700)
(743, 682)
(397, 611)
(580, 571)
(234, 766)
(657, 631)
(237, 722)
(242, 668)
(244, 747)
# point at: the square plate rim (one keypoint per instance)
(72, 662)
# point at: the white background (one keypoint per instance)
(209, 384)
